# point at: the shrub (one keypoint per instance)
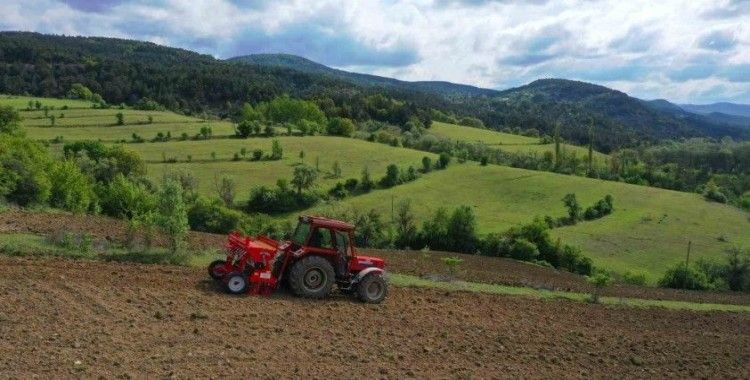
(452, 263)
(245, 128)
(392, 176)
(366, 184)
(351, 184)
(426, 164)
(24, 167)
(257, 155)
(276, 151)
(443, 160)
(682, 276)
(574, 209)
(123, 198)
(713, 192)
(120, 118)
(522, 249)
(339, 126)
(210, 215)
(601, 208)
(304, 177)
(633, 278)
(338, 191)
(71, 189)
(279, 199)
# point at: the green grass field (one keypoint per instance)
(504, 141)
(102, 117)
(648, 231)
(125, 132)
(352, 154)
(22, 102)
(485, 136)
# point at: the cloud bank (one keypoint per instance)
(695, 51)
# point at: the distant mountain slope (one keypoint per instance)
(126, 71)
(305, 65)
(722, 107)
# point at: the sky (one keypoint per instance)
(688, 51)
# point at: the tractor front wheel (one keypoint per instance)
(372, 289)
(216, 269)
(311, 277)
(237, 283)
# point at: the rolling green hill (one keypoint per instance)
(648, 231)
(504, 141)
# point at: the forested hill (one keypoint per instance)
(447, 89)
(126, 71)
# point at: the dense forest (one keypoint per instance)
(125, 71)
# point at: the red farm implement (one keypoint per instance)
(319, 255)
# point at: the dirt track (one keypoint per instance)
(65, 318)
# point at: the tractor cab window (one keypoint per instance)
(342, 243)
(300, 233)
(321, 238)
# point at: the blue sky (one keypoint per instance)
(684, 51)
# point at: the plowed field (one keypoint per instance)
(64, 318)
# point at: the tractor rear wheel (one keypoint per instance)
(372, 289)
(236, 283)
(311, 277)
(216, 270)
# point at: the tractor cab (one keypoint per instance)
(333, 239)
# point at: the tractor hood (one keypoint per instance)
(364, 262)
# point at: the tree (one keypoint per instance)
(52, 121)
(406, 228)
(172, 215)
(302, 156)
(120, 118)
(366, 183)
(276, 151)
(590, 170)
(304, 177)
(738, 269)
(461, 230)
(10, 120)
(339, 126)
(336, 170)
(226, 188)
(558, 161)
(599, 281)
(38, 105)
(574, 209)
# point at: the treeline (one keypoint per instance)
(732, 273)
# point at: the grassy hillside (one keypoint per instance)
(352, 155)
(647, 232)
(503, 141)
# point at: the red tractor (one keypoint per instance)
(319, 254)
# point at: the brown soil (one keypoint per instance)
(63, 318)
(512, 272)
(474, 268)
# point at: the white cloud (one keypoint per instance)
(683, 51)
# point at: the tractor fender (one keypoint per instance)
(366, 272)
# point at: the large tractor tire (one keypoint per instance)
(372, 289)
(236, 283)
(215, 269)
(311, 277)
